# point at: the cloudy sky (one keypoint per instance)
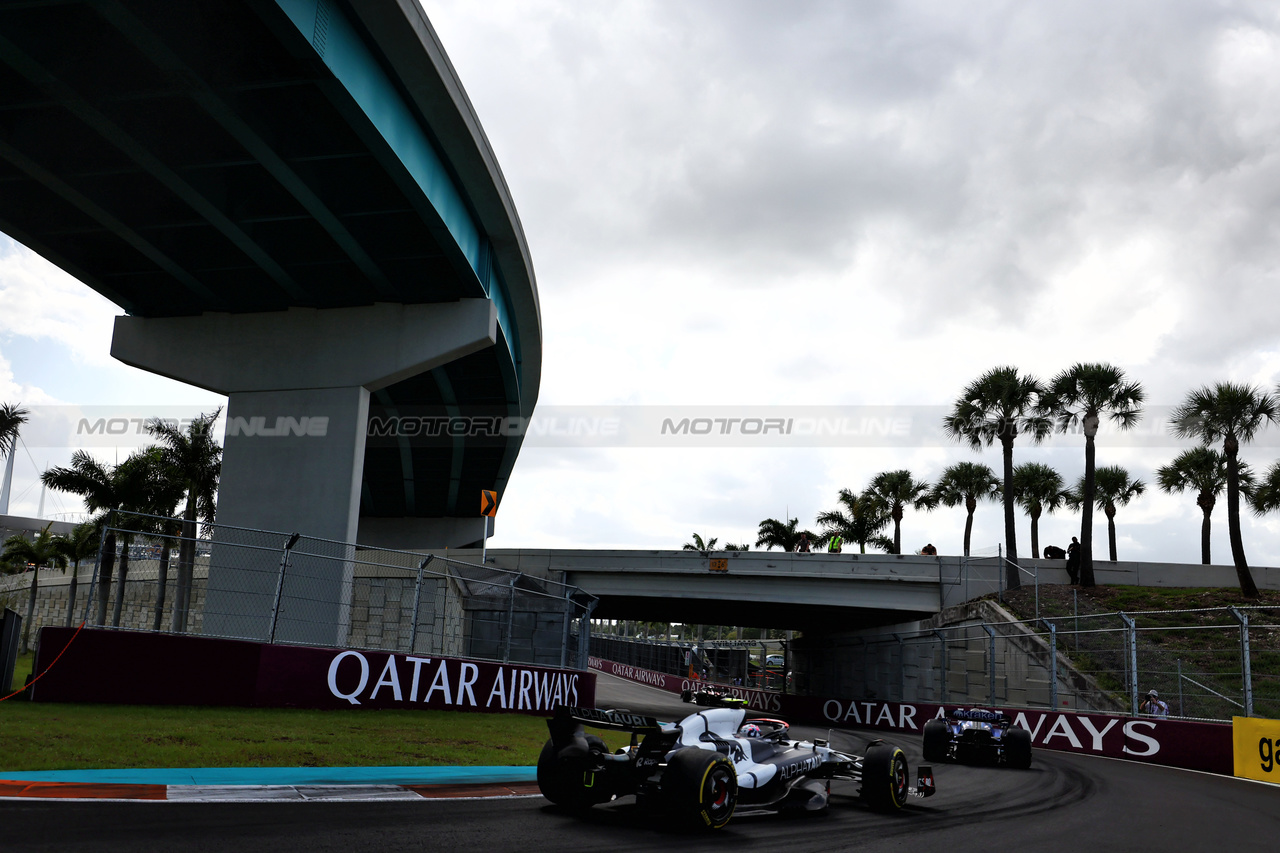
(735, 204)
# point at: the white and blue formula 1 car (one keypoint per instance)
(977, 735)
(699, 771)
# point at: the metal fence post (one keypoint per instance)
(902, 669)
(991, 660)
(1182, 708)
(1037, 578)
(1000, 572)
(1246, 663)
(1053, 665)
(511, 616)
(417, 597)
(1075, 608)
(564, 634)
(1131, 660)
(97, 566)
(275, 604)
(584, 633)
(943, 639)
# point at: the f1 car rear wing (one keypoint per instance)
(567, 722)
(980, 715)
(623, 721)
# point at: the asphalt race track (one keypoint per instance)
(1063, 803)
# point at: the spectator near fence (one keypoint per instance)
(1153, 705)
(1073, 560)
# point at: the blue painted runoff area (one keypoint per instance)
(280, 776)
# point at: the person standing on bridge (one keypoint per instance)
(836, 544)
(1073, 561)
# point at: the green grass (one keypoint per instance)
(1201, 638)
(21, 669)
(46, 736)
(53, 736)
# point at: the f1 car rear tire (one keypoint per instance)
(937, 737)
(700, 788)
(884, 777)
(1017, 748)
(567, 779)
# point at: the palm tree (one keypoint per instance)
(892, 492)
(999, 406)
(162, 492)
(698, 544)
(40, 552)
(80, 544)
(861, 520)
(1081, 395)
(785, 536)
(729, 546)
(195, 461)
(967, 483)
(1232, 414)
(1263, 497)
(1037, 488)
(1203, 470)
(12, 417)
(89, 479)
(126, 487)
(1114, 489)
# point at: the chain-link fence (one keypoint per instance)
(1208, 664)
(238, 583)
(735, 662)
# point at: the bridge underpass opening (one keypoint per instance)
(780, 615)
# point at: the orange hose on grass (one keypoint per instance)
(50, 666)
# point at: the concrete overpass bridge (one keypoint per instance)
(294, 204)
(809, 592)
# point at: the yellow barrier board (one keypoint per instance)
(1257, 748)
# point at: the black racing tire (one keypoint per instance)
(937, 739)
(565, 777)
(686, 695)
(1017, 748)
(884, 778)
(700, 788)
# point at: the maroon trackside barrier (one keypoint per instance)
(136, 668)
(1175, 743)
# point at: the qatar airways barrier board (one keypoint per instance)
(127, 667)
(1195, 746)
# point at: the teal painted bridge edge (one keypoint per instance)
(280, 776)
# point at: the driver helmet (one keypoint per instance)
(750, 730)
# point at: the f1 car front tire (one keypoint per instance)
(1017, 748)
(700, 788)
(565, 776)
(937, 737)
(884, 778)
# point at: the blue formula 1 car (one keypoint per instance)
(698, 772)
(977, 735)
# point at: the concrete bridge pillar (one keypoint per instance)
(298, 385)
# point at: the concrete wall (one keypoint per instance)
(381, 610)
(1132, 573)
(951, 662)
